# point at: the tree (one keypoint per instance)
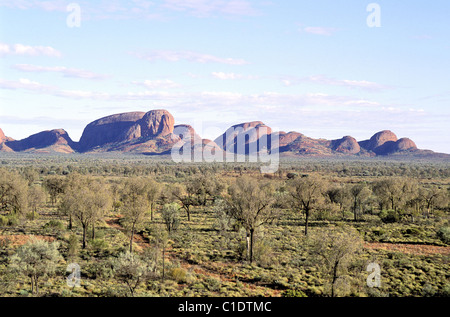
(433, 196)
(170, 216)
(339, 195)
(36, 197)
(333, 250)
(86, 200)
(35, 259)
(249, 202)
(389, 192)
(185, 195)
(160, 240)
(55, 186)
(359, 194)
(411, 198)
(131, 270)
(72, 247)
(30, 174)
(153, 193)
(205, 187)
(13, 192)
(307, 195)
(135, 206)
(134, 212)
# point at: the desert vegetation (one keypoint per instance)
(145, 226)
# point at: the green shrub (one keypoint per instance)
(179, 275)
(389, 216)
(413, 231)
(263, 254)
(293, 293)
(444, 234)
(10, 220)
(98, 245)
(212, 284)
(428, 290)
(32, 215)
(72, 246)
(446, 290)
(23, 293)
(54, 225)
(3, 221)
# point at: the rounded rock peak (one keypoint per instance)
(59, 131)
(248, 125)
(381, 138)
(157, 122)
(120, 117)
(406, 144)
(347, 145)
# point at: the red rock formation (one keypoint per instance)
(346, 145)
(287, 138)
(114, 128)
(2, 136)
(378, 140)
(57, 140)
(245, 133)
(156, 123)
(126, 127)
(405, 144)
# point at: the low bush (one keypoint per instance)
(293, 293)
(389, 216)
(53, 225)
(444, 234)
(3, 221)
(179, 275)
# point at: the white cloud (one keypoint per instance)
(157, 84)
(67, 72)
(141, 9)
(26, 50)
(225, 76)
(48, 5)
(232, 76)
(207, 8)
(25, 84)
(176, 56)
(324, 80)
(203, 99)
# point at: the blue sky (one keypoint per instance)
(314, 67)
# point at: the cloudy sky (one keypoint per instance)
(324, 68)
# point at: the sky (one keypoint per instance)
(324, 68)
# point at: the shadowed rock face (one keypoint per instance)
(378, 140)
(54, 140)
(115, 128)
(125, 127)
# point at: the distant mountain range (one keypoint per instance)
(155, 133)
